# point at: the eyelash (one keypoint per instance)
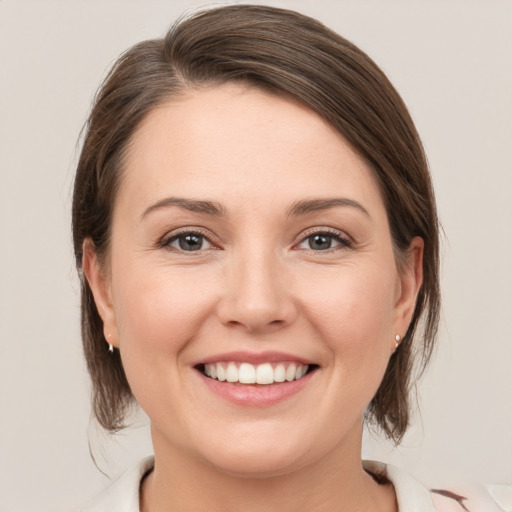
(174, 236)
(344, 241)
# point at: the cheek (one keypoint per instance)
(353, 313)
(159, 314)
(160, 310)
(349, 312)
(351, 304)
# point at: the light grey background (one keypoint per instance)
(452, 62)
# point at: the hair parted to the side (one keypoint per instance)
(294, 56)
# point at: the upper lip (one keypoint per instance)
(254, 358)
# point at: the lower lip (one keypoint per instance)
(255, 395)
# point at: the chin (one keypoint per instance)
(258, 455)
(257, 463)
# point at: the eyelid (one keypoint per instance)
(170, 236)
(344, 239)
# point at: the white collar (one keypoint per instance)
(123, 494)
(410, 494)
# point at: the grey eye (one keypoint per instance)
(189, 242)
(323, 241)
(320, 242)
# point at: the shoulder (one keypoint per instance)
(410, 494)
(123, 494)
(466, 499)
(414, 497)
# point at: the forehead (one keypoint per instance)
(237, 141)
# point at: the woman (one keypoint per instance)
(256, 231)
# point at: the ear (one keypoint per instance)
(99, 282)
(409, 282)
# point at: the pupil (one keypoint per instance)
(191, 242)
(320, 242)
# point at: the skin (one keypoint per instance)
(255, 285)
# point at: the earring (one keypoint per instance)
(397, 340)
(110, 346)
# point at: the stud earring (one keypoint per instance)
(110, 346)
(397, 340)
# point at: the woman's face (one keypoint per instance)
(250, 243)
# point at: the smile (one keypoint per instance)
(261, 380)
(263, 374)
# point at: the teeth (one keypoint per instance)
(232, 373)
(221, 373)
(246, 373)
(290, 373)
(279, 373)
(264, 374)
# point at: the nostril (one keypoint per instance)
(257, 304)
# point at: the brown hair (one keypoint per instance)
(288, 54)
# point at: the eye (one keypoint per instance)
(188, 242)
(324, 241)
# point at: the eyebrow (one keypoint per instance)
(209, 207)
(315, 205)
(214, 208)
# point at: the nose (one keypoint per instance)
(257, 295)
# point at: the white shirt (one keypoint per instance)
(123, 494)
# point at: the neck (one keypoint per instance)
(335, 483)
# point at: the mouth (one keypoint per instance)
(263, 374)
(261, 380)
